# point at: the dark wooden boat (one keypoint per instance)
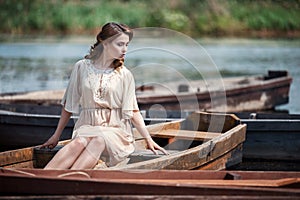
(169, 184)
(18, 130)
(201, 141)
(272, 136)
(25, 125)
(236, 95)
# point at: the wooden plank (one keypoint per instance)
(229, 140)
(212, 196)
(229, 159)
(67, 186)
(166, 174)
(107, 182)
(158, 127)
(143, 155)
(20, 157)
(185, 134)
(16, 156)
(212, 122)
(188, 182)
(23, 165)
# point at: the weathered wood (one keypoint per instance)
(231, 158)
(185, 134)
(212, 122)
(100, 182)
(188, 182)
(16, 156)
(197, 156)
(143, 155)
(161, 174)
(153, 128)
(241, 93)
(36, 97)
(21, 158)
(246, 94)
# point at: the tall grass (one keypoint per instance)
(194, 17)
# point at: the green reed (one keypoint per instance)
(193, 17)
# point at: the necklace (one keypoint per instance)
(99, 79)
(102, 89)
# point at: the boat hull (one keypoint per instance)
(237, 94)
(134, 184)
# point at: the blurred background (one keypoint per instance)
(197, 18)
(41, 40)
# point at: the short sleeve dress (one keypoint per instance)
(105, 101)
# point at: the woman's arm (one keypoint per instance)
(63, 121)
(139, 124)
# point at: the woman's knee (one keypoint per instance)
(96, 147)
(80, 141)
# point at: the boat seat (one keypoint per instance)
(146, 154)
(185, 134)
(136, 156)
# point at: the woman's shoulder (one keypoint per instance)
(125, 71)
(81, 64)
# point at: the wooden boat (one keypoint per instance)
(18, 130)
(201, 141)
(137, 184)
(272, 140)
(24, 125)
(238, 94)
(272, 136)
(269, 136)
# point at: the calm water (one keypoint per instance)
(27, 66)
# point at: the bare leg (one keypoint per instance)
(65, 157)
(89, 157)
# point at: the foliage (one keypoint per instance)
(194, 17)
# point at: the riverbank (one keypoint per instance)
(251, 19)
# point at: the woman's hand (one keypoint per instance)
(139, 124)
(53, 140)
(51, 143)
(153, 146)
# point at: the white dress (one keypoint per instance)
(105, 101)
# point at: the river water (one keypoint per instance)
(28, 65)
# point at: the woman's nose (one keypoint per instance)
(124, 49)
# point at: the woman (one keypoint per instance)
(102, 90)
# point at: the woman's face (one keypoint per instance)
(117, 48)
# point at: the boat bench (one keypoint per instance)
(143, 155)
(185, 134)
